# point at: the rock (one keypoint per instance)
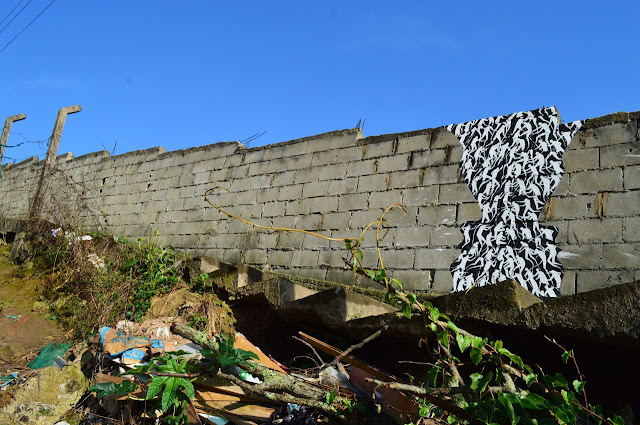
(20, 250)
(45, 398)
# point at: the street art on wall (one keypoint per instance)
(512, 165)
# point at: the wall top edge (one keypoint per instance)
(615, 118)
(345, 132)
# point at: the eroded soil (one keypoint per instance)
(24, 328)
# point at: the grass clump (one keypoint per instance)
(105, 279)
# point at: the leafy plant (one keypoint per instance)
(227, 355)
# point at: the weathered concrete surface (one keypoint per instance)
(334, 307)
(45, 398)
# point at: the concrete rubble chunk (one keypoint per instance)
(335, 307)
(44, 399)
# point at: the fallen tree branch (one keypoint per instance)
(414, 389)
(370, 338)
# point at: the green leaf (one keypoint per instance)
(347, 244)
(534, 402)
(464, 341)
(107, 389)
(169, 393)
(330, 397)
(443, 337)
(188, 388)
(476, 356)
(424, 411)
(506, 403)
(435, 313)
(397, 282)
(565, 356)
(452, 419)
(531, 378)
(406, 310)
(477, 342)
(155, 386)
(617, 420)
(371, 274)
(476, 380)
(433, 327)
(556, 381)
(387, 297)
(453, 327)
(359, 253)
(497, 345)
(411, 297)
(432, 376)
(578, 386)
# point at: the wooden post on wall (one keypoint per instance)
(50, 160)
(5, 132)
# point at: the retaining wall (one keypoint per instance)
(336, 184)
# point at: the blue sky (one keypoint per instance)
(190, 73)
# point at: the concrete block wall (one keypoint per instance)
(336, 184)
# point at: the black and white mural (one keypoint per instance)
(512, 164)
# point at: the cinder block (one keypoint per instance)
(589, 231)
(568, 284)
(595, 181)
(414, 280)
(581, 159)
(307, 176)
(379, 149)
(285, 151)
(384, 199)
(442, 138)
(441, 175)
(256, 155)
(324, 204)
(361, 219)
(414, 143)
(579, 257)
(290, 240)
(298, 207)
(309, 222)
(563, 229)
(393, 163)
(343, 186)
(354, 202)
(290, 192)
(428, 158)
(621, 256)
(285, 221)
(373, 183)
(406, 179)
(436, 215)
(259, 168)
(445, 236)
(336, 221)
(469, 211)
(632, 177)
(273, 209)
(295, 162)
(400, 259)
(248, 197)
(397, 217)
(350, 154)
(426, 195)
(455, 193)
(332, 172)
(310, 190)
(313, 273)
(411, 237)
(632, 229)
(435, 258)
(623, 204)
(320, 159)
(314, 242)
(267, 194)
(568, 207)
(279, 257)
(617, 155)
(592, 279)
(304, 259)
(282, 178)
(361, 168)
(613, 134)
(442, 282)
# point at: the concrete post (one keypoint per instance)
(6, 130)
(50, 160)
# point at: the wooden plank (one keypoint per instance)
(242, 342)
(250, 411)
